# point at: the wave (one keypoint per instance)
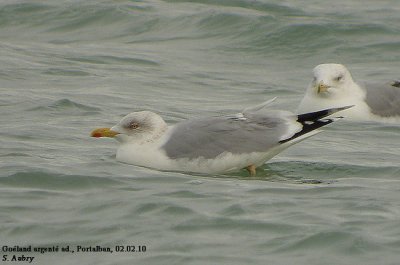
(254, 26)
(66, 106)
(322, 171)
(54, 181)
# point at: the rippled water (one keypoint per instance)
(67, 67)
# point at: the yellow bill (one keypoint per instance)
(103, 132)
(322, 88)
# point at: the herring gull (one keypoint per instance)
(220, 144)
(333, 86)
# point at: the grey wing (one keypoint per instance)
(384, 100)
(210, 137)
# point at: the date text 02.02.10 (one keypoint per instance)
(131, 248)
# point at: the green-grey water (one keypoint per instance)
(69, 66)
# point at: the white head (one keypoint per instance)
(332, 81)
(332, 86)
(142, 126)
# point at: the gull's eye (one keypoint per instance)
(339, 78)
(133, 125)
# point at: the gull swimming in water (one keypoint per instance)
(333, 86)
(218, 144)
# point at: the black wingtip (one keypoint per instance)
(314, 120)
(396, 83)
(311, 116)
(309, 126)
